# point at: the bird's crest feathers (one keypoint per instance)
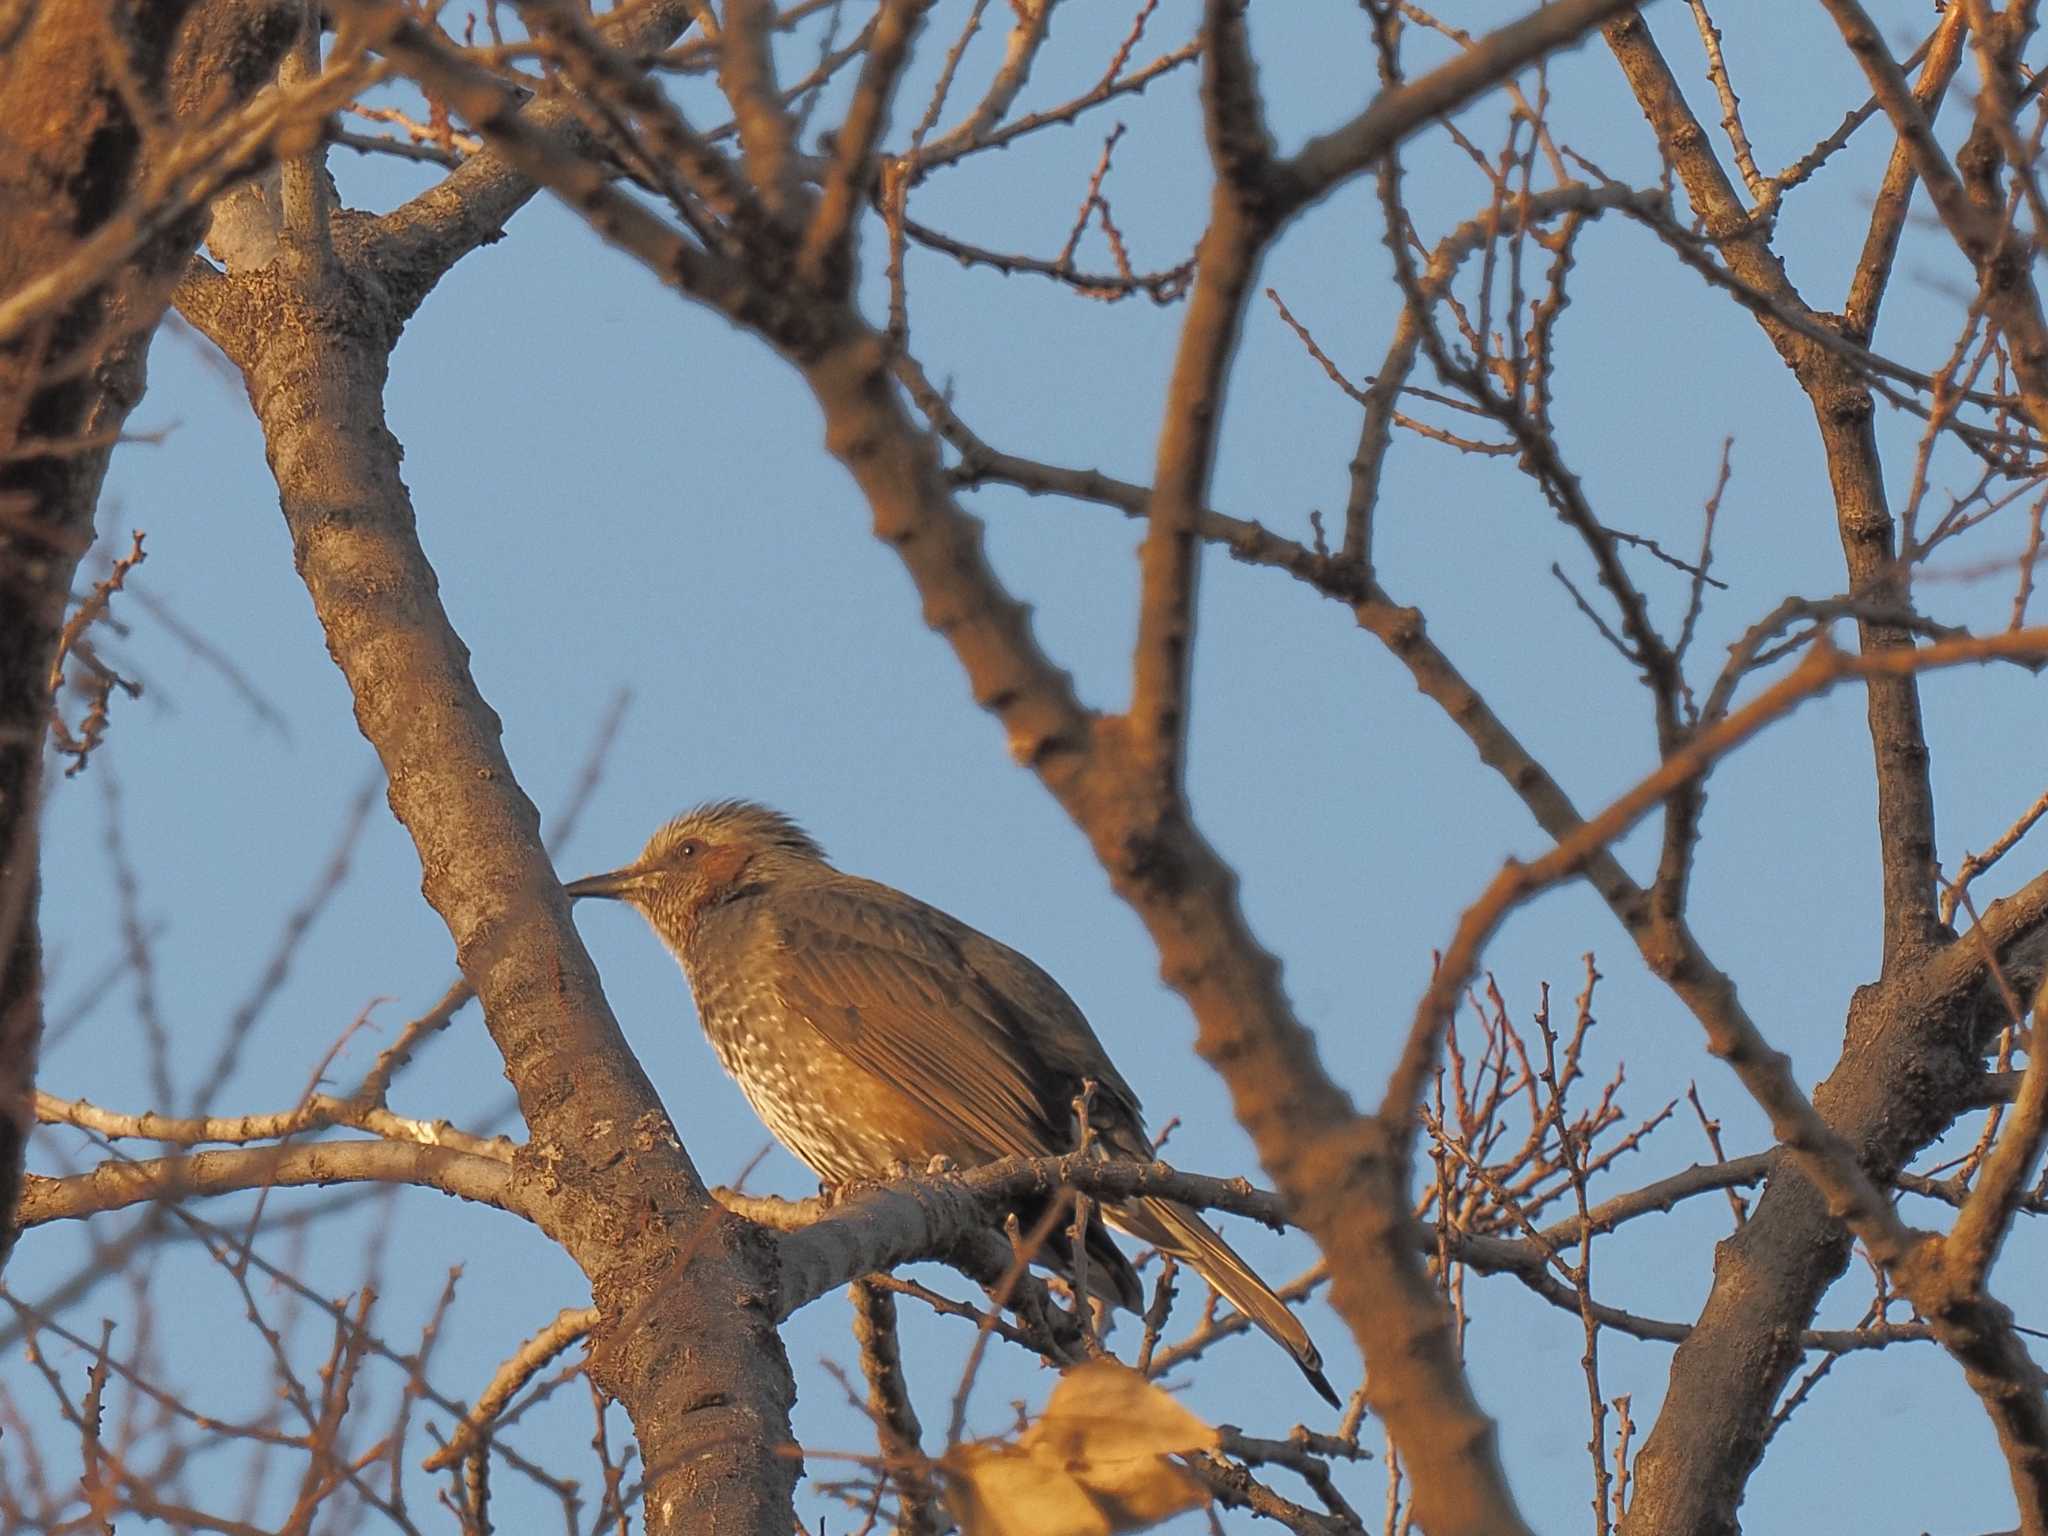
(743, 821)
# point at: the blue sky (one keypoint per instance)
(622, 492)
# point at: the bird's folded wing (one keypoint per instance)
(889, 989)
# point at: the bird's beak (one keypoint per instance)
(616, 886)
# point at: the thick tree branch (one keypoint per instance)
(746, 73)
(688, 1341)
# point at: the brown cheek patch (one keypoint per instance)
(720, 867)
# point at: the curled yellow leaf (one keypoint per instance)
(1093, 1464)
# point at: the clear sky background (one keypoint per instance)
(621, 492)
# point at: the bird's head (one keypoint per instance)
(701, 857)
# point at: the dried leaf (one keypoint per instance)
(1005, 1490)
(1093, 1464)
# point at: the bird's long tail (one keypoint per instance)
(1173, 1228)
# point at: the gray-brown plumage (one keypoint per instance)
(871, 1031)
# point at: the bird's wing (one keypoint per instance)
(882, 979)
(1053, 1027)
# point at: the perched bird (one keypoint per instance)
(871, 1031)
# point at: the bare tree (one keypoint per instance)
(742, 154)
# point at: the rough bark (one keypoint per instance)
(687, 1293)
(688, 1341)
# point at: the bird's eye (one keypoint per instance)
(689, 848)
